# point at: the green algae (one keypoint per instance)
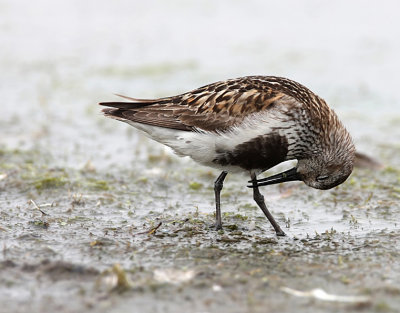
(97, 184)
(48, 182)
(40, 224)
(195, 185)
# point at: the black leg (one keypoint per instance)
(259, 198)
(219, 183)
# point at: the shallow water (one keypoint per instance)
(102, 186)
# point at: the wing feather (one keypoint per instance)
(214, 107)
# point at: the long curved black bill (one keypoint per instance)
(289, 175)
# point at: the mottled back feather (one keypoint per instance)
(214, 107)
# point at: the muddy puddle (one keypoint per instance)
(95, 217)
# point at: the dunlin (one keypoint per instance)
(248, 124)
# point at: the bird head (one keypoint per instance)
(324, 175)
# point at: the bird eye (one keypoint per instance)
(323, 177)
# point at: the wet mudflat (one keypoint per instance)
(95, 236)
(95, 217)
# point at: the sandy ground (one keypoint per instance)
(96, 217)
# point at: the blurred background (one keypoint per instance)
(59, 58)
(80, 193)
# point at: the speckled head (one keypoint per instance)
(322, 174)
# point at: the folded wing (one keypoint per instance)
(214, 107)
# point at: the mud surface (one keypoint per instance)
(95, 217)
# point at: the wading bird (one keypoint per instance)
(248, 124)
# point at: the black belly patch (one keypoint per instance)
(262, 152)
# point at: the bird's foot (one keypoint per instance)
(216, 226)
(280, 233)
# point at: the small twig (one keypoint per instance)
(37, 207)
(151, 231)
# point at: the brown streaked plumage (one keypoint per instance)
(214, 107)
(251, 124)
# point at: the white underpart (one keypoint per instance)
(203, 146)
